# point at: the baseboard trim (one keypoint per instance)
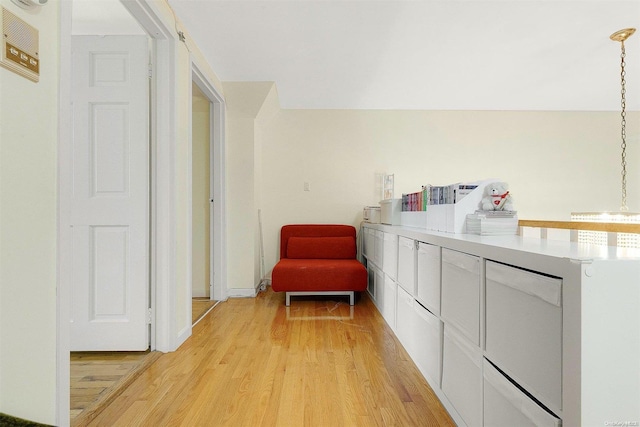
(199, 294)
(242, 292)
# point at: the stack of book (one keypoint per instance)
(415, 202)
(435, 195)
(492, 223)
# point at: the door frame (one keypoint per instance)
(217, 185)
(160, 27)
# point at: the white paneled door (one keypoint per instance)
(109, 179)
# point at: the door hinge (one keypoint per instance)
(150, 71)
(149, 316)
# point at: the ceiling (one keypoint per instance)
(423, 54)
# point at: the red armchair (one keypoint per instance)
(318, 259)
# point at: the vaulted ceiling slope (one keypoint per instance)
(428, 55)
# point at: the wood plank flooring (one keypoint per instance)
(98, 377)
(199, 307)
(253, 362)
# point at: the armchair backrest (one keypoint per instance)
(314, 230)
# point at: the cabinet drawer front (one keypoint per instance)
(390, 255)
(406, 264)
(462, 261)
(390, 298)
(506, 405)
(368, 243)
(428, 278)
(428, 348)
(378, 247)
(461, 293)
(524, 331)
(462, 376)
(548, 289)
(405, 324)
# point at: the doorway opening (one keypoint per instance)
(204, 145)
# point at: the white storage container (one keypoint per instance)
(378, 245)
(371, 214)
(390, 255)
(390, 211)
(505, 405)
(390, 301)
(524, 329)
(405, 320)
(461, 293)
(462, 376)
(428, 345)
(428, 277)
(407, 264)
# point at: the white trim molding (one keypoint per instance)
(242, 292)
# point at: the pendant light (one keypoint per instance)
(623, 216)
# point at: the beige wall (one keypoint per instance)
(28, 227)
(241, 211)
(249, 106)
(555, 162)
(201, 243)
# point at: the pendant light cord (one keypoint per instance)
(623, 133)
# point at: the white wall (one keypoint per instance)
(555, 162)
(28, 212)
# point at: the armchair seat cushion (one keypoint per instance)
(319, 275)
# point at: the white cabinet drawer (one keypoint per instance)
(368, 243)
(390, 255)
(462, 376)
(371, 281)
(524, 329)
(405, 323)
(407, 264)
(378, 242)
(428, 345)
(506, 406)
(428, 276)
(390, 301)
(461, 293)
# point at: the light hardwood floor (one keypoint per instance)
(98, 377)
(253, 362)
(199, 307)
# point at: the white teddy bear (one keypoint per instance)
(497, 197)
